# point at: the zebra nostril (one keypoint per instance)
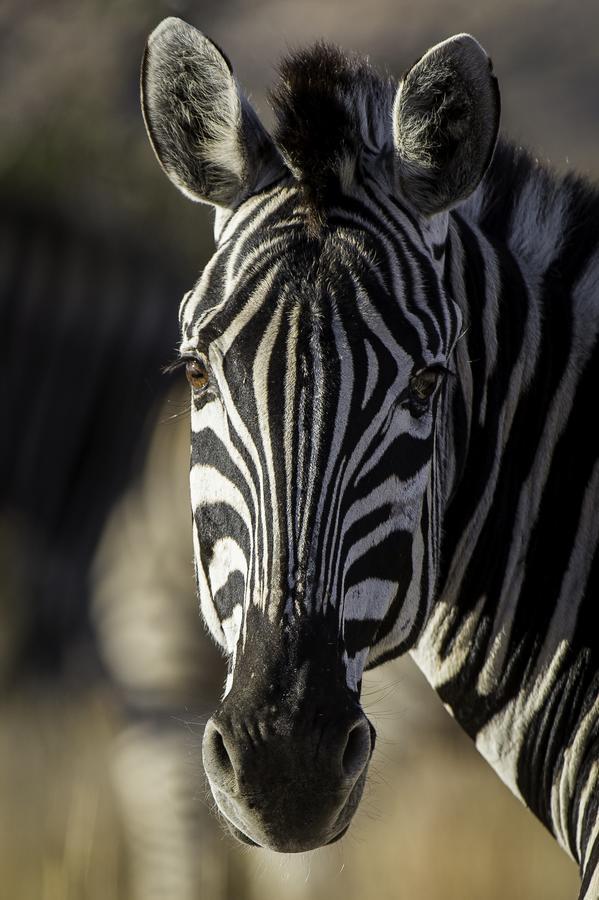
(357, 749)
(217, 761)
(220, 751)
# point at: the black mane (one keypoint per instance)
(329, 107)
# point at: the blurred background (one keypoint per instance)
(106, 676)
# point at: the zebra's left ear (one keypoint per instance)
(207, 137)
(445, 124)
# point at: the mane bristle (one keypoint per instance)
(329, 106)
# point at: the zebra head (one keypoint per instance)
(317, 344)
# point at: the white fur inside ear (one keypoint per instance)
(445, 124)
(221, 145)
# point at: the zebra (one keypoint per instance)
(392, 357)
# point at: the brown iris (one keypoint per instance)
(423, 384)
(196, 372)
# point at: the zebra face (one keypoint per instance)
(315, 387)
(316, 345)
(312, 444)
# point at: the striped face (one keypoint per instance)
(316, 344)
(317, 368)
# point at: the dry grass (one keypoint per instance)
(59, 830)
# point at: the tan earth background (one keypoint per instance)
(95, 805)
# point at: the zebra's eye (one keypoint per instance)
(421, 388)
(423, 384)
(196, 373)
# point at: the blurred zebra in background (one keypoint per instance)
(94, 516)
(146, 614)
(84, 322)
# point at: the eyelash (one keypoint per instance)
(178, 363)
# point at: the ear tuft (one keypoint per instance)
(445, 120)
(206, 136)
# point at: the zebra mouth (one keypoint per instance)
(244, 839)
(338, 837)
(240, 835)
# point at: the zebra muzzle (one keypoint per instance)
(288, 782)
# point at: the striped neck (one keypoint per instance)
(508, 644)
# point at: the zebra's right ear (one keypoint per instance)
(207, 137)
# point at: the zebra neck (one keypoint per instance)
(510, 643)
